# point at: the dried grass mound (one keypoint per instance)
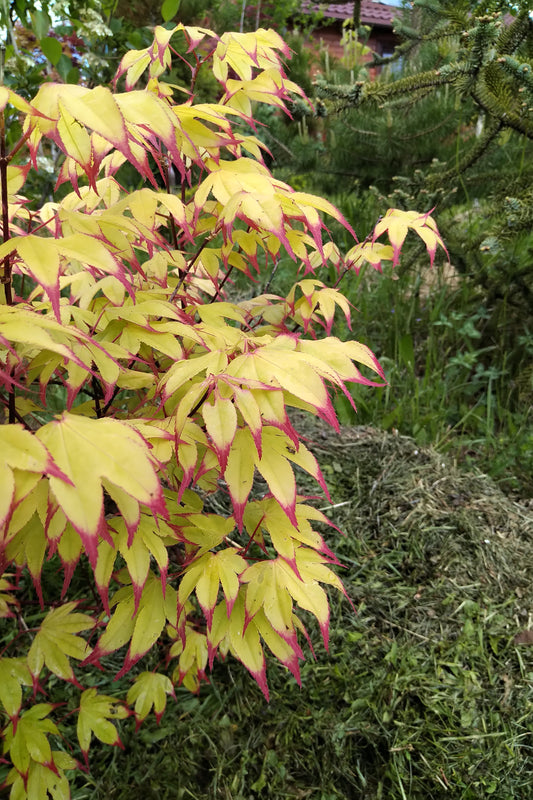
(440, 566)
(441, 524)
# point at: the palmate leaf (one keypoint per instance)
(277, 450)
(28, 740)
(264, 611)
(317, 300)
(397, 223)
(243, 52)
(94, 717)
(206, 574)
(192, 652)
(373, 252)
(158, 55)
(137, 546)
(42, 782)
(149, 691)
(267, 515)
(56, 641)
(243, 641)
(274, 583)
(140, 625)
(90, 451)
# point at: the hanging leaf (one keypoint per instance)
(169, 9)
(51, 47)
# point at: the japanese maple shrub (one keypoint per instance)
(114, 305)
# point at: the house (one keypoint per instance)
(377, 16)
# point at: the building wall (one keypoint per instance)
(382, 41)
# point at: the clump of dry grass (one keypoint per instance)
(427, 690)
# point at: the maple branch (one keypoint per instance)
(221, 285)
(6, 261)
(10, 403)
(273, 271)
(116, 391)
(23, 139)
(200, 402)
(97, 389)
(190, 265)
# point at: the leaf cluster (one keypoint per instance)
(115, 313)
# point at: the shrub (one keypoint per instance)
(164, 485)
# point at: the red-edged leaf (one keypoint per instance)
(149, 691)
(221, 424)
(88, 451)
(95, 716)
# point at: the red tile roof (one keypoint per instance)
(372, 13)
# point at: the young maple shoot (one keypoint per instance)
(114, 309)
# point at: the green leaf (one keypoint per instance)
(64, 66)
(23, 452)
(41, 782)
(41, 23)
(52, 49)
(169, 9)
(73, 76)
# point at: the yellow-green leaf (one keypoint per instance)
(56, 641)
(94, 717)
(240, 468)
(89, 450)
(150, 691)
(14, 674)
(221, 423)
(28, 741)
(22, 451)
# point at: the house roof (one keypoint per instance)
(372, 12)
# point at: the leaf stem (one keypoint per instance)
(190, 265)
(6, 261)
(221, 285)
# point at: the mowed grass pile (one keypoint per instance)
(427, 691)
